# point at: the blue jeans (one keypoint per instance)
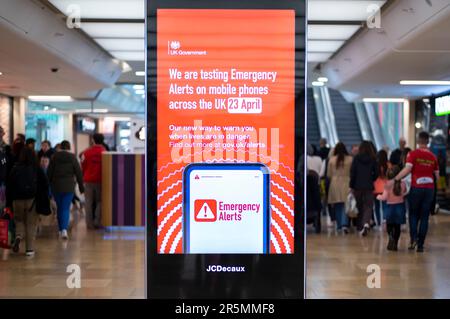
(63, 201)
(341, 216)
(420, 201)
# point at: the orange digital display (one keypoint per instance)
(225, 94)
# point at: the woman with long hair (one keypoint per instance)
(363, 173)
(338, 173)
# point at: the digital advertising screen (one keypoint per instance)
(219, 103)
(223, 114)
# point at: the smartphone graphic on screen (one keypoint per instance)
(226, 208)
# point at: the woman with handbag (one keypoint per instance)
(338, 172)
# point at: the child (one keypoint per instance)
(394, 193)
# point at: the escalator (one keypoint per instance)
(313, 133)
(347, 126)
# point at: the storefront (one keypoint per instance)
(45, 123)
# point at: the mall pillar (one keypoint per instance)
(6, 117)
(19, 107)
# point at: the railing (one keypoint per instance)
(325, 115)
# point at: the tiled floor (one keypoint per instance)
(112, 265)
(337, 264)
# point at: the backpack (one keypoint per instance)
(24, 182)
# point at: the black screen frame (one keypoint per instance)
(184, 275)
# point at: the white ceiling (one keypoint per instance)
(413, 44)
(332, 23)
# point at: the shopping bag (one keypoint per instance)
(7, 229)
(350, 206)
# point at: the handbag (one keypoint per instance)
(7, 229)
(350, 206)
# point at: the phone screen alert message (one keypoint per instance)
(226, 211)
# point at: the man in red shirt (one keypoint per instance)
(91, 165)
(424, 169)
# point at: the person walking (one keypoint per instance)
(24, 182)
(324, 150)
(363, 174)
(5, 165)
(338, 173)
(382, 163)
(395, 158)
(46, 149)
(313, 162)
(62, 172)
(395, 213)
(91, 165)
(424, 168)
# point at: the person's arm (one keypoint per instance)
(78, 175)
(329, 169)
(375, 171)
(50, 169)
(352, 175)
(404, 172)
(383, 196)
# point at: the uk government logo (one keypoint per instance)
(174, 48)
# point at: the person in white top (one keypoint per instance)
(313, 162)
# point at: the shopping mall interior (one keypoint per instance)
(64, 77)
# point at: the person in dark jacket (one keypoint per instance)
(363, 173)
(25, 181)
(62, 172)
(313, 201)
(46, 150)
(396, 155)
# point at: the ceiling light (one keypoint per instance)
(140, 91)
(114, 30)
(46, 108)
(82, 110)
(323, 79)
(426, 100)
(54, 109)
(1, 73)
(343, 10)
(318, 56)
(117, 118)
(384, 100)
(324, 45)
(138, 87)
(418, 82)
(100, 110)
(317, 83)
(140, 73)
(122, 44)
(418, 125)
(331, 31)
(50, 98)
(129, 55)
(104, 9)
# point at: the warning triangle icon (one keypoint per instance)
(205, 212)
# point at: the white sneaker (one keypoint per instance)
(29, 253)
(64, 234)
